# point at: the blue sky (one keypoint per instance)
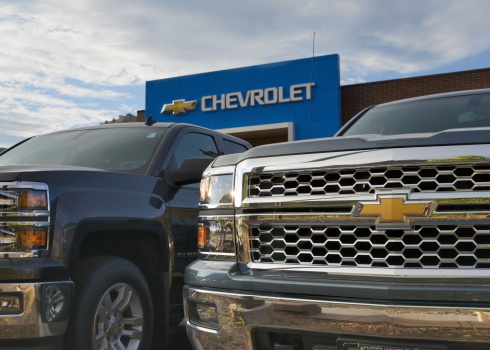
(73, 63)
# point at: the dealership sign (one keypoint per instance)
(282, 92)
(255, 97)
(237, 99)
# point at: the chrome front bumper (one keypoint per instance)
(42, 310)
(221, 320)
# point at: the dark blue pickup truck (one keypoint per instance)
(97, 225)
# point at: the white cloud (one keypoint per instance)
(71, 63)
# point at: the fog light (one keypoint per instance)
(207, 313)
(204, 314)
(10, 304)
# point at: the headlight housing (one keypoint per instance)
(216, 232)
(217, 190)
(23, 199)
(24, 219)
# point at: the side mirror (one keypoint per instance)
(190, 171)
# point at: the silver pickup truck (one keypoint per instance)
(377, 238)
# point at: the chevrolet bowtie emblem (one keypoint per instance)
(179, 107)
(394, 210)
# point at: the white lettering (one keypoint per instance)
(231, 100)
(217, 102)
(258, 98)
(203, 104)
(244, 103)
(268, 99)
(307, 86)
(272, 95)
(295, 93)
(281, 96)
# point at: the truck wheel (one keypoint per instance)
(112, 307)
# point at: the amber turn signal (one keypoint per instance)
(33, 200)
(34, 238)
(202, 237)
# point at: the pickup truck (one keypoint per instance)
(97, 225)
(377, 238)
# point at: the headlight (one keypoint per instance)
(216, 238)
(23, 199)
(217, 190)
(216, 234)
(33, 200)
(22, 237)
(24, 223)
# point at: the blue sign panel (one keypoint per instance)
(305, 92)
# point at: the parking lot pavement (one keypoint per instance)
(177, 339)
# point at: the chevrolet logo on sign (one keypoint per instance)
(179, 107)
(394, 210)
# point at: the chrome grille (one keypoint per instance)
(436, 246)
(437, 178)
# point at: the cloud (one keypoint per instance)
(77, 63)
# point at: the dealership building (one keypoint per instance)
(285, 101)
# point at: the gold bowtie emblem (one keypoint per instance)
(179, 107)
(394, 210)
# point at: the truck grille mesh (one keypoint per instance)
(438, 246)
(438, 178)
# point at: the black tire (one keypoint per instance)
(112, 307)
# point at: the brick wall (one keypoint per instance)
(355, 98)
(140, 115)
(267, 140)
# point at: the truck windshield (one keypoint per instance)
(119, 149)
(424, 116)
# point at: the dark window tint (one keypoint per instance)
(119, 149)
(431, 115)
(233, 147)
(195, 145)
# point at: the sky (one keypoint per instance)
(66, 64)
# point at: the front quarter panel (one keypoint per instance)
(89, 199)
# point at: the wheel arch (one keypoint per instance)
(146, 244)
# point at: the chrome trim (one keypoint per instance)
(27, 223)
(427, 273)
(448, 155)
(454, 245)
(24, 184)
(239, 313)
(465, 207)
(216, 253)
(35, 213)
(29, 323)
(469, 154)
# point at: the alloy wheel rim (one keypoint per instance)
(118, 321)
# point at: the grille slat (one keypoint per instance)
(438, 246)
(437, 178)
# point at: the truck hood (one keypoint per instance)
(361, 142)
(71, 178)
(12, 172)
